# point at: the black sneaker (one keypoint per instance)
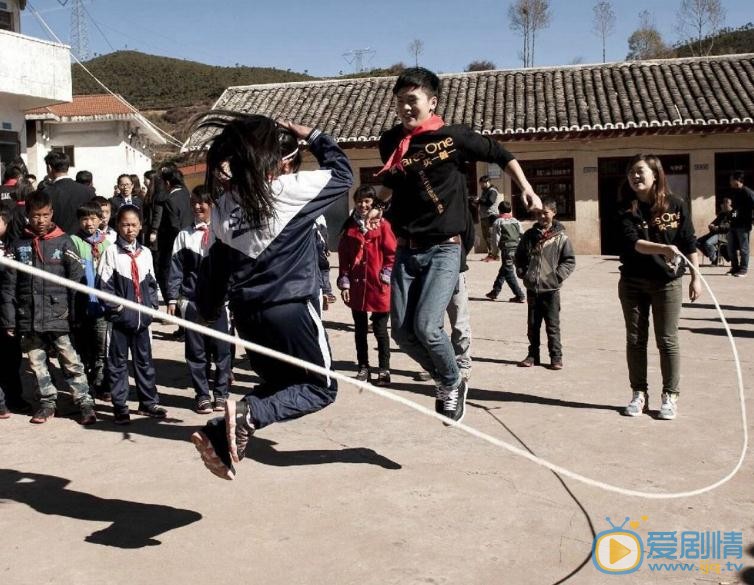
(152, 411)
(4, 412)
(212, 444)
(363, 374)
(122, 418)
(203, 405)
(440, 397)
(492, 295)
(454, 406)
(383, 378)
(238, 428)
(88, 416)
(219, 404)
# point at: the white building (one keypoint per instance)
(33, 73)
(100, 134)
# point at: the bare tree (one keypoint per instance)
(416, 48)
(646, 42)
(604, 22)
(526, 18)
(482, 65)
(698, 21)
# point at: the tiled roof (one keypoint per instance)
(668, 95)
(85, 106)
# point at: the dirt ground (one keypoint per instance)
(370, 492)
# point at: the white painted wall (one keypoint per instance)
(99, 147)
(37, 71)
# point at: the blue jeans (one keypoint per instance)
(738, 241)
(507, 273)
(708, 246)
(423, 283)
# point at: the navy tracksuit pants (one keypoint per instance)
(139, 343)
(202, 351)
(286, 392)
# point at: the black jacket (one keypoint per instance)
(176, 212)
(117, 202)
(67, 196)
(33, 305)
(430, 195)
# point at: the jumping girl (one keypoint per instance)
(264, 260)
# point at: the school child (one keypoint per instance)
(189, 251)
(41, 312)
(507, 232)
(126, 270)
(107, 209)
(366, 255)
(544, 259)
(265, 262)
(90, 330)
(323, 252)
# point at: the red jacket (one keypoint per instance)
(366, 261)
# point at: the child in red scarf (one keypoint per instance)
(41, 312)
(126, 270)
(90, 329)
(367, 253)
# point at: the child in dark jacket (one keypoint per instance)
(366, 256)
(126, 270)
(506, 232)
(90, 328)
(544, 259)
(189, 252)
(40, 312)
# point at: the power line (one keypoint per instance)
(109, 44)
(170, 137)
(358, 57)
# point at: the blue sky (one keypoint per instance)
(313, 35)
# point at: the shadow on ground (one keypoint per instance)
(132, 524)
(264, 451)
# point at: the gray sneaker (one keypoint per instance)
(454, 406)
(638, 404)
(238, 428)
(669, 407)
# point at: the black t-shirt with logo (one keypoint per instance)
(430, 195)
(674, 226)
(743, 204)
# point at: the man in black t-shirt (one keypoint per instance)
(740, 225)
(426, 187)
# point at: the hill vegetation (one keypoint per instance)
(726, 42)
(151, 83)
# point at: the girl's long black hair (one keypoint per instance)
(253, 147)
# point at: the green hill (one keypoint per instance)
(151, 82)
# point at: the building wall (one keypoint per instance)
(37, 71)
(99, 147)
(585, 230)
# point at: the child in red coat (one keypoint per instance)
(367, 252)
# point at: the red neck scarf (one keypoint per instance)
(55, 232)
(203, 227)
(134, 269)
(434, 122)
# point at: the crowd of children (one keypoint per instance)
(250, 250)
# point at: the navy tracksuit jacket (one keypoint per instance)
(270, 276)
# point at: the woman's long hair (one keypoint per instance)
(244, 157)
(660, 192)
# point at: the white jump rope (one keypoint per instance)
(158, 315)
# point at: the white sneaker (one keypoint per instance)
(638, 404)
(669, 407)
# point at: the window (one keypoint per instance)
(6, 18)
(67, 150)
(549, 178)
(367, 176)
(725, 164)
